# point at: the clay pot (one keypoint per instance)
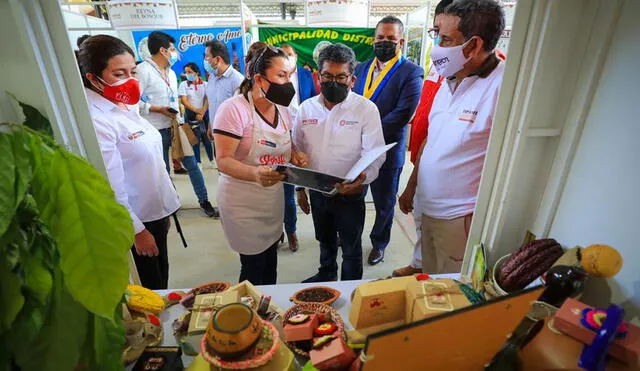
(233, 330)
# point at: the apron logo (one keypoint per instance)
(267, 143)
(135, 135)
(468, 116)
(347, 123)
(440, 61)
(310, 122)
(272, 160)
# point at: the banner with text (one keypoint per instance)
(309, 41)
(148, 14)
(189, 43)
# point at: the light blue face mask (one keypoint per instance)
(436, 41)
(173, 58)
(209, 69)
(191, 78)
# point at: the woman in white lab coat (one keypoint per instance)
(252, 133)
(132, 152)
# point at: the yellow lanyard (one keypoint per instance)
(370, 88)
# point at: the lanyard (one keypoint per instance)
(163, 77)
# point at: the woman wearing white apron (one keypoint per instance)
(252, 133)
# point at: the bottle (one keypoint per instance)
(563, 281)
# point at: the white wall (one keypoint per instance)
(601, 200)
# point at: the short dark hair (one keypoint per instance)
(218, 49)
(391, 20)
(81, 39)
(441, 6)
(337, 53)
(484, 18)
(159, 39)
(95, 53)
(194, 67)
(287, 45)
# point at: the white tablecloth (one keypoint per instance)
(280, 295)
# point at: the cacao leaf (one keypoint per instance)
(109, 343)
(59, 342)
(37, 279)
(34, 119)
(22, 160)
(44, 180)
(7, 182)
(92, 231)
(10, 296)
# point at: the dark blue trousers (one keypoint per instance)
(384, 191)
(339, 216)
(290, 216)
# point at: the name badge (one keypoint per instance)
(468, 116)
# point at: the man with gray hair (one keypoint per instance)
(335, 129)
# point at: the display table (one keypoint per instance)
(280, 295)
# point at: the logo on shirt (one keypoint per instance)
(272, 160)
(347, 122)
(468, 115)
(136, 135)
(309, 122)
(267, 143)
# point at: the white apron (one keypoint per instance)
(252, 215)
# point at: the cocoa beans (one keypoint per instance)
(528, 263)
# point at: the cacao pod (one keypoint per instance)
(529, 262)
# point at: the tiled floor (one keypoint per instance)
(209, 258)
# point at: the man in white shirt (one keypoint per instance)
(447, 174)
(159, 105)
(335, 129)
(222, 80)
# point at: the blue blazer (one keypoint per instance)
(396, 102)
(306, 87)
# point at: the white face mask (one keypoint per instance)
(449, 61)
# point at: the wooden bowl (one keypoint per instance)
(233, 330)
(311, 308)
(335, 295)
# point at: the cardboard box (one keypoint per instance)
(160, 358)
(379, 305)
(335, 355)
(245, 288)
(433, 297)
(567, 320)
(301, 331)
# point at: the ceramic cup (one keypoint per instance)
(233, 330)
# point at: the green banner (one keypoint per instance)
(309, 41)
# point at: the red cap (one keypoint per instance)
(422, 277)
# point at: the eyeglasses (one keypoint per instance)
(433, 32)
(341, 79)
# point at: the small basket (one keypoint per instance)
(334, 292)
(314, 308)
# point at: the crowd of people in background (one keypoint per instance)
(275, 112)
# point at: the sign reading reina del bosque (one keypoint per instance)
(146, 14)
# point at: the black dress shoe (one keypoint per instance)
(320, 277)
(375, 256)
(209, 210)
(180, 171)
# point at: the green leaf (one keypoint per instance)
(109, 343)
(60, 341)
(10, 296)
(92, 231)
(34, 119)
(38, 280)
(30, 321)
(7, 181)
(44, 179)
(22, 160)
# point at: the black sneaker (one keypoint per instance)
(320, 277)
(209, 210)
(180, 171)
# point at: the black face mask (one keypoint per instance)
(281, 94)
(333, 91)
(385, 50)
